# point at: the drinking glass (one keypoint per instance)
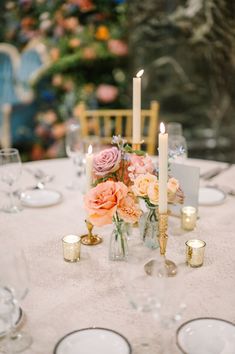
(141, 294)
(6, 312)
(14, 277)
(10, 171)
(74, 150)
(177, 144)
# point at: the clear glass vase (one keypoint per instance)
(149, 227)
(118, 250)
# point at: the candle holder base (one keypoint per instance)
(153, 267)
(89, 239)
(137, 146)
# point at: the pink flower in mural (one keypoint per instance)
(106, 93)
(117, 47)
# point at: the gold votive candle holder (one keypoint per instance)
(188, 218)
(71, 248)
(195, 250)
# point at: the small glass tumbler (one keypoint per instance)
(188, 218)
(195, 250)
(71, 248)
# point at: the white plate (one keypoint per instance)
(93, 341)
(211, 196)
(206, 336)
(39, 198)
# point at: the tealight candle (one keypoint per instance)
(195, 250)
(71, 248)
(188, 217)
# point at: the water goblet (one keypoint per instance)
(176, 142)
(14, 277)
(10, 171)
(74, 150)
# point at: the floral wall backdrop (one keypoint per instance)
(84, 44)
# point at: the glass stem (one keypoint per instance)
(11, 197)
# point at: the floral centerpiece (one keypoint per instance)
(121, 178)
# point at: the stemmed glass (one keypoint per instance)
(74, 150)
(10, 171)
(159, 295)
(14, 277)
(176, 142)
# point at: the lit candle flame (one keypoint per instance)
(140, 73)
(90, 149)
(162, 128)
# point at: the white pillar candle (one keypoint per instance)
(136, 122)
(163, 169)
(89, 167)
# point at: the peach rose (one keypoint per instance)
(141, 184)
(153, 192)
(102, 201)
(128, 210)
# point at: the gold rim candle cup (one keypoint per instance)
(195, 250)
(71, 248)
(188, 218)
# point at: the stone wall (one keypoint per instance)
(187, 49)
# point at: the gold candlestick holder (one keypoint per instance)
(137, 146)
(89, 239)
(171, 268)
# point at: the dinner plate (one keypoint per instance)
(206, 336)
(211, 196)
(39, 198)
(93, 340)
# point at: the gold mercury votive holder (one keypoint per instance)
(188, 218)
(71, 248)
(195, 250)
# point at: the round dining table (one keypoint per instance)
(64, 297)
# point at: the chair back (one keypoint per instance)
(105, 123)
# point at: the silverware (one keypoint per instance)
(214, 172)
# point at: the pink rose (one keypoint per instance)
(142, 183)
(102, 201)
(106, 93)
(129, 210)
(140, 165)
(107, 161)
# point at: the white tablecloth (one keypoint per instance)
(64, 297)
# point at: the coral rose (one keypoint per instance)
(128, 210)
(107, 161)
(102, 201)
(141, 184)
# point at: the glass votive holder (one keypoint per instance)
(188, 217)
(195, 250)
(71, 248)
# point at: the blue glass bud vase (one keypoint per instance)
(118, 249)
(149, 227)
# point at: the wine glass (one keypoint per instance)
(14, 277)
(141, 294)
(10, 171)
(6, 312)
(74, 150)
(177, 144)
